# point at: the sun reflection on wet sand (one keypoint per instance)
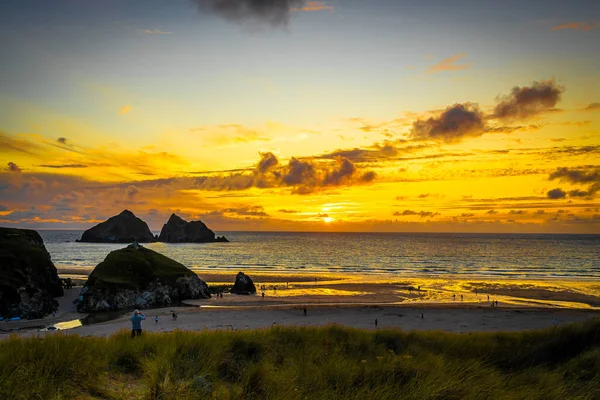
(444, 291)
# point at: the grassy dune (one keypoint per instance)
(307, 363)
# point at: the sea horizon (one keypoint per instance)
(393, 254)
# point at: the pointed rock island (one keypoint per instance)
(177, 230)
(28, 278)
(122, 228)
(137, 277)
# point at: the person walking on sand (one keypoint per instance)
(156, 319)
(174, 316)
(305, 311)
(136, 323)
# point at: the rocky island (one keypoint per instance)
(122, 228)
(177, 230)
(28, 278)
(137, 277)
(243, 285)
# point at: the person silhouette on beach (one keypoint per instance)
(454, 297)
(305, 311)
(375, 322)
(156, 319)
(174, 316)
(263, 295)
(488, 297)
(136, 323)
(461, 297)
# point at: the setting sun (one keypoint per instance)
(327, 220)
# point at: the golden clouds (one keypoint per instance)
(581, 26)
(448, 64)
(313, 6)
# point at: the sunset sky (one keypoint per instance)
(344, 115)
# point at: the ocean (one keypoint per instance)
(487, 256)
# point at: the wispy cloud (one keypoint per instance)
(125, 109)
(153, 32)
(581, 26)
(223, 135)
(592, 107)
(448, 64)
(314, 6)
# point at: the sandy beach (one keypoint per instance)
(410, 304)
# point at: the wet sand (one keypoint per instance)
(356, 301)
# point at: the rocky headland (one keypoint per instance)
(177, 230)
(28, 278)
(122, 228)
(137, 277)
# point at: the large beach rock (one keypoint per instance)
(137, 277)
(243, 285)
(177, 230)
(122, 228)
(28, 278)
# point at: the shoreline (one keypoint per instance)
(343, 298)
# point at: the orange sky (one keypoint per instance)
(440, 140)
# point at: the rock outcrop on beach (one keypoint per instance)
(28, 278)
(243, 285)
(137, 277)
(177, 230)
(122, 228)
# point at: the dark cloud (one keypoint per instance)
(267, 161)
(592, 107)
(63, 166)
(467, 215)
(579, 193)
(247, 211)
(12, 167)
(452, 125)
(302, 175)
(271, 12)
(528, 101)
(491, 212)
(9, 144)
(299, 172)
(589, 175)
(575, 175)
(344, 170)
(555, 194)
(62, 140)
(421, 214)
(386, 150)
(368, 176)
(517, 212)
(288, 211)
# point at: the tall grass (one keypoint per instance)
(307, 363)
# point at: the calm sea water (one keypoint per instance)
(413, 254)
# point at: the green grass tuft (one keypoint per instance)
(307, 363)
